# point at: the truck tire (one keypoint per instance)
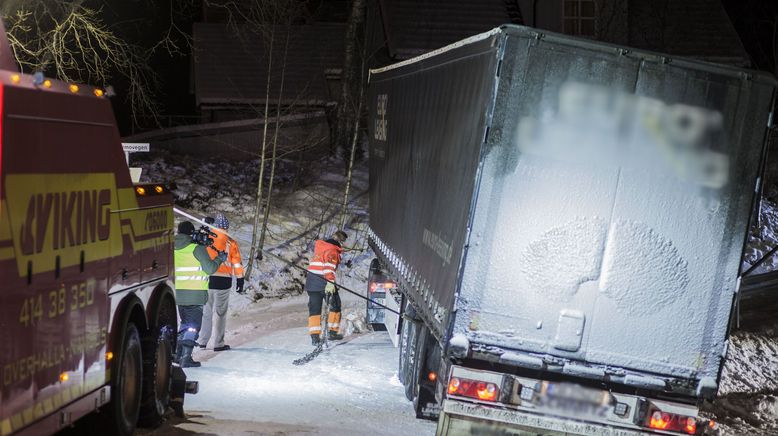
(402, 346)
(157, 367)
(411, 369)
(120, 416)
(157, 370)
(418, 361)
(375, 266)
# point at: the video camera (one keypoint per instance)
(203, 236)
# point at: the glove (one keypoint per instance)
(221, 257)
(239, 286)
(330, 288)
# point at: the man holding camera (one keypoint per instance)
(193, 266)
(220, 284)
(320, 281)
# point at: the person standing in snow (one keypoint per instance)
(320, 280)
(193, 265)
(220, 284)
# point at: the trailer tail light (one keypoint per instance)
(382, 286)
(659, 420)
(98, 92)
(691, 425)
(479, 390)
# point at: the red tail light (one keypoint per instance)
(479, 390)
(691, 425)
(660, 420)
(667, 421)
(373, 287)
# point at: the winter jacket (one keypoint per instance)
(193, 297)
(222, 278)
(326, 257)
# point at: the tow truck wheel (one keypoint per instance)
(157, 370)
(157, 366)
(121, 414)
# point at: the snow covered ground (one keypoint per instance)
(352, 389)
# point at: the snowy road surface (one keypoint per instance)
(350, 389)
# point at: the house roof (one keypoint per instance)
(230, 66)
(695, 28)
(414, 27)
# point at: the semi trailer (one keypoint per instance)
(564, 221)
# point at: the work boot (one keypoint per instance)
(334, 336)
(222, 348)
(186, 359)
(201, 346)
(315, 340)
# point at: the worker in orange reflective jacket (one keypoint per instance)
(219, 286)
(320, 280)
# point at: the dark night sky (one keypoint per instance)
(755, 22)
(145, 21)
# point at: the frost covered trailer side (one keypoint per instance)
(592, 226)
(429, 120)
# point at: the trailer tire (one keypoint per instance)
(415, 368)
(412, 358)
(120, 416)
(401, 360)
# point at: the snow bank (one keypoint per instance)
(748, 394)
(305, 206)
(762, 238)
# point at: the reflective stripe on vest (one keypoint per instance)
(326, 258)
(189, 273)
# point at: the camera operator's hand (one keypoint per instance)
(239, 286)
(221, 257)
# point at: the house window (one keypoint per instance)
(578, 17)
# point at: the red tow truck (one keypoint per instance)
(87, 303)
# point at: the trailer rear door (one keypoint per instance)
(612, 210)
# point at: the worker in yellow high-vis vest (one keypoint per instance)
(193, 267)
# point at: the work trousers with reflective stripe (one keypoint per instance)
(189, 327)
(315, 303)
(216, 307)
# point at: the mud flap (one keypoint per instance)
(427, 406)
(179, 387)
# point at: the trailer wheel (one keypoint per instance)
(120, 416)
(418, 359)
(401, 361)
(412, 359)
